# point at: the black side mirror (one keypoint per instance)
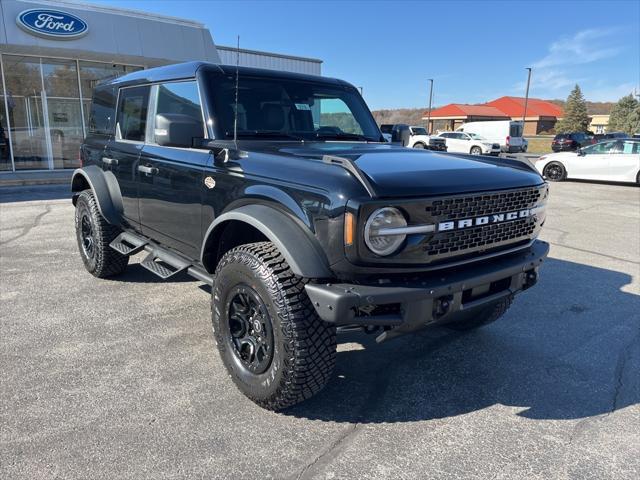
(580, 152)
(177, 130)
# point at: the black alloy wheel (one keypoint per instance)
(554, 172)
(87, 234)
(94, 234)
(250, 327)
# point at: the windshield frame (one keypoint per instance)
(214, 79)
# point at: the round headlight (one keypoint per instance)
(383, 243)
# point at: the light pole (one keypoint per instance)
(429, 112)
(526, 100)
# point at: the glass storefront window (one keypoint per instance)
(60, 79)
(25, 113)
(41, 111)
(5, 154)
(92, 73)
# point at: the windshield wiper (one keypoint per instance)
(343, 136)
(265, 134)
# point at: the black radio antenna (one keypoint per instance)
(235, 110)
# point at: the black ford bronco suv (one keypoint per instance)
(278, 190)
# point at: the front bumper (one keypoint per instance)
(436, 299)
(438, 148)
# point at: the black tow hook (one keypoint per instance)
(531, 278)
(441, 306)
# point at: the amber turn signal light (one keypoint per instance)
(349, 228)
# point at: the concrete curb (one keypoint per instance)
(27, 179)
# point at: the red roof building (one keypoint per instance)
(541, 114)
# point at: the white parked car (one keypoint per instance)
(508, 133)
(412, 137)
(461, 142)
(613, 160)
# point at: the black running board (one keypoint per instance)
(159, 261)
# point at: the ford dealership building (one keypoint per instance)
(52, 53)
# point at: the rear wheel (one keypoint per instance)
(554, 172)
(273, 344)
(483, 317)
(94, 234)
(476, 151)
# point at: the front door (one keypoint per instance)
(593, 164)
(123, 153)
(171, 178)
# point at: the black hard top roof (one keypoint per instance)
(180, 71)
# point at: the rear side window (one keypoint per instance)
(103, 106)
(132, 113)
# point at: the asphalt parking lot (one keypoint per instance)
(121, 379)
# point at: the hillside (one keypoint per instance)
(413, 116)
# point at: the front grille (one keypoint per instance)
(482, 237)
(478, 205)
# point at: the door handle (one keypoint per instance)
(147, 170)
(109, 161)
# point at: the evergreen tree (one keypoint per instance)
(575, 113)
(625, 116)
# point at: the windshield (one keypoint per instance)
(475, 136)
(419, 131)
(288, 108)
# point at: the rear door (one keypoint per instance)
(624, 161)
(172, 178)
(515, 135)
(123, 152)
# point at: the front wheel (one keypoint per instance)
(273, 344)
(476, 151)
(554, 172)
(94, 234)
(420, 145)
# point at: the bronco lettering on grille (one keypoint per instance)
(485, 220)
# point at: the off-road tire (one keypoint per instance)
(482, 317)
(104, 261)
(549, 172)
(304, 347)
(475, 151)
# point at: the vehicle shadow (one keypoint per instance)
(567, 349)
(603, 182)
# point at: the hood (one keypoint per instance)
(396, 171)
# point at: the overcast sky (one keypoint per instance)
(475, 51)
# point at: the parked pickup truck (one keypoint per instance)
(304, 222)
(412, 137)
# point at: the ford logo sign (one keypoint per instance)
(52, 24)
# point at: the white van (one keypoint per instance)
(507, 133)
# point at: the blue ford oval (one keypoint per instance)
(52, 23)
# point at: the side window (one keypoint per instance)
(631, 147)
(103, 106)
(332, 115)
(599, 148)
(132, 113)
(178, 115)
(180, 99)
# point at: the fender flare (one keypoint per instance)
(298, 246)
(105, 189)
